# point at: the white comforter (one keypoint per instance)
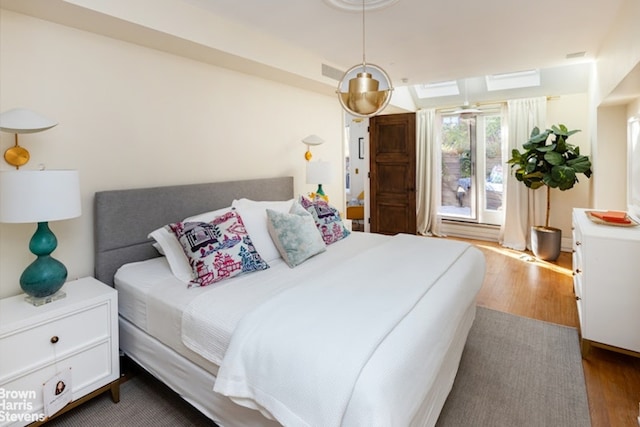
(360, 343)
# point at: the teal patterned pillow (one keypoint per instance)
(295, 234)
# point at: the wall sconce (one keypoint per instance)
(21, 120)
(40, 196)
(309, 141)
(319, 173)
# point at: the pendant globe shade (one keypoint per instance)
(365, 90)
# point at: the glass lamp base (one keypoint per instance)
(38, 301)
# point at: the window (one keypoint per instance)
(472, 168)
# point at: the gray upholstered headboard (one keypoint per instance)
(124, 218)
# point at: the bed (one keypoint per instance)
(368, 331)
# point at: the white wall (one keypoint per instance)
(619, 53)
(131, 116)
(610, 168)
(359, 167)
(616, 77)
(572, 111)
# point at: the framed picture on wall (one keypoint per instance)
(361, 148)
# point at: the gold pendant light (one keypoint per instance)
(359, 89)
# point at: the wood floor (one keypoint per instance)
(544, 291)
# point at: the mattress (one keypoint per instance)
(154, 300)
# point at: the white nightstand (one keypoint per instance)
(78, 332)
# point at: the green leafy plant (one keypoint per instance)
(549, 160)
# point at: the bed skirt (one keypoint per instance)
(195, 385)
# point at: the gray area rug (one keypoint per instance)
(517, 371)
(514, 372)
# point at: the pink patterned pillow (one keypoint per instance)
(327, 219)
(218, 249)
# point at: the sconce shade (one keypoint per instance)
(40, 196)
(37, 196)
(21, 120)
(313, 140)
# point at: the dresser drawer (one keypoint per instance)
(24, 349)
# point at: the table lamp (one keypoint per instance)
(319, 172)
(40, 196)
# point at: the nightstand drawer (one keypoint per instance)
(23, 349)
(90, 369)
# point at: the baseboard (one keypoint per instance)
(471, 231)
(491, 233)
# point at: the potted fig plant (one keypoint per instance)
(548, 160)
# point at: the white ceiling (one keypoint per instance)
(426, 41)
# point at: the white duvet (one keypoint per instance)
(358, 344)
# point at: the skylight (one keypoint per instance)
(434, 90)
(516, 80)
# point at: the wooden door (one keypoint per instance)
(392, 142)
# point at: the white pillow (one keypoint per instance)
(170, 247)
(254, 217)
(207, 216)
(172, 250)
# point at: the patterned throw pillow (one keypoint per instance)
(327, 219)
(295, 234)
(218, 249)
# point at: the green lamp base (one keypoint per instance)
(46, 275)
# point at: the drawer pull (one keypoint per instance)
(577, 298)
(578, 243)
(54, 339)
(578, 271)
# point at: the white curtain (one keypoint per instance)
(523, 207)
(428, 170)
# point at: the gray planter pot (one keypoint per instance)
(546, 242)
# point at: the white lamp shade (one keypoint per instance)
(39, 196)
(319, 172)
(312, 140)
(21, 120)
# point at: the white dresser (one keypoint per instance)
(606, 281)
(79, 332)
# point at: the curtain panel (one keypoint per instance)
(523, 207)
(428, 171)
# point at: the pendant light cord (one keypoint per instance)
(364, 62)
